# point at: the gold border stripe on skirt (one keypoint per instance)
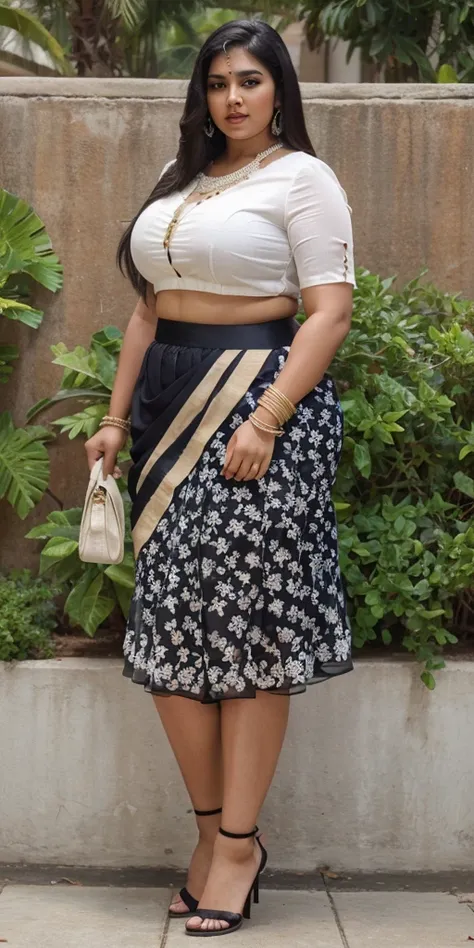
(221, 406)
(190, 409)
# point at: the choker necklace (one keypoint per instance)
(205, 184)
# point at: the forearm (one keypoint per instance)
(139, 334)
(310, 355)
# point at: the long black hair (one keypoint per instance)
(196, 150)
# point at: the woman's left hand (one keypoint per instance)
(248, 454)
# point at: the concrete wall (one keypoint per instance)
(86, 152)
(376, 774)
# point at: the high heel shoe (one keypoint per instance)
(185, 895)
(233, 919)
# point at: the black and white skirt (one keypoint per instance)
(238, 586)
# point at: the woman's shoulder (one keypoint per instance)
(312, 167)
(312, 175)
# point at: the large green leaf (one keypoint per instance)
(84, 422)
(24, 244)
(24, 464)
(79, 360)
(32, 30)
(45, 403)
(60, 523)
(21, 312)
(87, 603)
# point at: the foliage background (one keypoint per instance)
(405, 40)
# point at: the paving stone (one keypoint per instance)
(82, 917)
(283, 919)
(404, 919)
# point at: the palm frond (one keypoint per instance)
(131, 12)
(31, 29)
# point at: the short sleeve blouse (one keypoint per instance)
(285, 228)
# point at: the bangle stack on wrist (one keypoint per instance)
(279, 405)
(112, 421)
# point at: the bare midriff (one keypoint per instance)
(192, 306)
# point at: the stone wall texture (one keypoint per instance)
(86, 152)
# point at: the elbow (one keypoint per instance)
(345, 318)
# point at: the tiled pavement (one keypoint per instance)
(81, 916)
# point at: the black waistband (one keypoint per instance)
(269, 335)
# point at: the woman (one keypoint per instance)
(236, 432)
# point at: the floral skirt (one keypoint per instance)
(238, 586)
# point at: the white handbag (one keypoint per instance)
(102, 531)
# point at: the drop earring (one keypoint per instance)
(277, 123)
(209, 127)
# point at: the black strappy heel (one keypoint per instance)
(185, 895)
(233, 919)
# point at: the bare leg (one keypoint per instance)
(252, 732)
(193, 730)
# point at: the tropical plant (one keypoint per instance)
(88, 376)
(405, 489)
(407, 40)
(27, 616)
(94, 590)
(25, 253)
(24, 464)
(114, 37)
(31, 30)
(144, 37)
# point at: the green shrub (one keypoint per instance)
(27, 616)
(405, 487)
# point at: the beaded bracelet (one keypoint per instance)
(114, 422)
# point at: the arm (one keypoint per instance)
(140, 332)
(329, 310)
(320, 235)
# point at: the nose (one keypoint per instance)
(234, 95)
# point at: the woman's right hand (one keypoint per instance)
(106, 443)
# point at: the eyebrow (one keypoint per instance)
(241, 74)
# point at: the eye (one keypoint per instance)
(254, 82)
(216, 85)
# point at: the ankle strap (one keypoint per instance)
(237, 835)
(208, 812)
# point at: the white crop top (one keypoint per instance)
(284, 228)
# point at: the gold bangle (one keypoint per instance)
(272, 404)
(275, 395)
(275, 410)
(262, 426)
(272, 388)
(281, 399)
